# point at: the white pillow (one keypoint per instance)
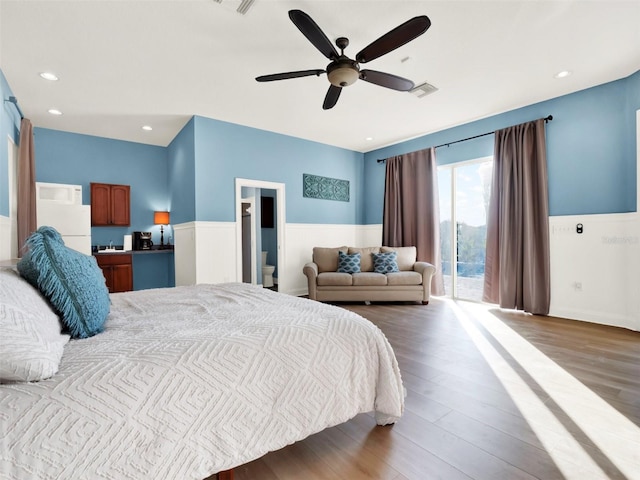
(31, 344)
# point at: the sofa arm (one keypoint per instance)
(427, 271)
(311, 271)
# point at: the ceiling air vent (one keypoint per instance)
(423, 90)
(243, 7)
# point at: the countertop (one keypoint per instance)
(166, 249)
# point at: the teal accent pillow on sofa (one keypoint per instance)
(72, 282)
(348, 263)
(385, 262)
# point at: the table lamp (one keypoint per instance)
(162, 219)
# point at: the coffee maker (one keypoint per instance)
(142, 241)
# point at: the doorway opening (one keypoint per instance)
(248, 243)
(260, 233)
(465, 190)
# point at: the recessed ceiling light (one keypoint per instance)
(368, 139)
(148, 128)
(49, 76)
(562, 74)
(54, 111)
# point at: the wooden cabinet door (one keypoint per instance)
(118, 272)
(120, 205)
(122, 278)
(100, 204)
(110, 205)
(107, 271)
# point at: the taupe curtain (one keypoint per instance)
(411, 212)
(26, 184)
(517, 260)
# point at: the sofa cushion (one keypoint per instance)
(406, 256)
(334, 279)
(366, 260)
(404, 278)
(385, 262)
(348, 263)
(327, 258)
(369, 279)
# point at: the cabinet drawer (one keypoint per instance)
(114, 259)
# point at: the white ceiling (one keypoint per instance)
(123, 64)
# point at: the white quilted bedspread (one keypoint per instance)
(189, 381)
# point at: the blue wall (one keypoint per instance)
(182, 175)
(591, 145)
(591, 150)
(9, 127)
(225, 151)
(63, 157)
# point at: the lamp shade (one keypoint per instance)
(161, 218)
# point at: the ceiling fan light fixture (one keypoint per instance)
(343, 73)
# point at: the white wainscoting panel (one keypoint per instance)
(5, 238)
(369, 235)
(205, 252)
(302, 237)
(594, 275)
(184, 248)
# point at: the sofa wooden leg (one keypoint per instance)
(426, 303)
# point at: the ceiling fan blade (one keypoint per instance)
(314, 34)
(386, 80)
(331, 98)
(397, 37)
(286, 75)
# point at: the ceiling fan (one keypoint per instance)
(343, 71)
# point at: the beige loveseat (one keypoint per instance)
(411, 283)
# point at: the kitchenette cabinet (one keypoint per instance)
(110, 205)
(117, 270)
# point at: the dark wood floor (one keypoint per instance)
(491, 395)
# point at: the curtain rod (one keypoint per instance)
(14, 100)
(546, 119)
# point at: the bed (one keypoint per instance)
(190, 381)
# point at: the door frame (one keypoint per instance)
(12, 175)
(280, 223)
(254, 271)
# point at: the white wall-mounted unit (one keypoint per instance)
(58, 193)
(60, 206)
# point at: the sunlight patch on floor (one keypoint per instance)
(616, 436)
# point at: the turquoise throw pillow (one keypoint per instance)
(385, 262)
(348, 263)
(72, 282)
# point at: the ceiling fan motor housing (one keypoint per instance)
(343, 71)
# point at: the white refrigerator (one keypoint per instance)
(72, 220)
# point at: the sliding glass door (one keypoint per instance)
(465, 189)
